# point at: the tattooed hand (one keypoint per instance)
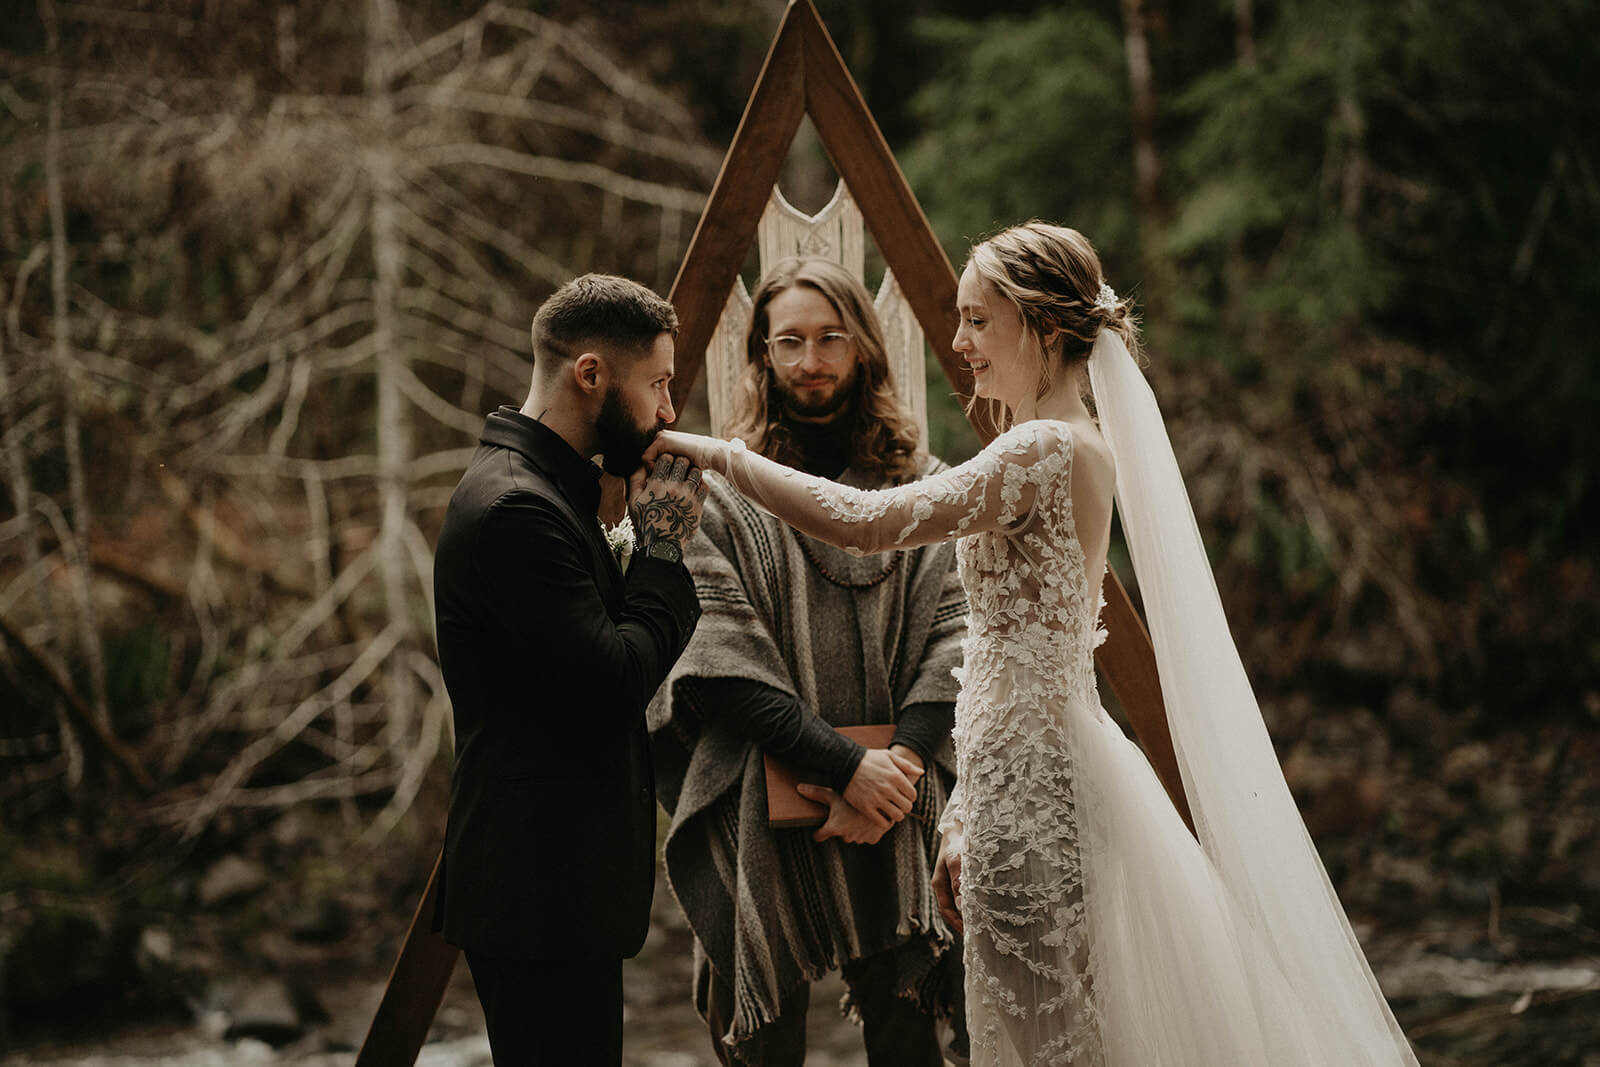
(665, 503)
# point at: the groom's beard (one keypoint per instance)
(622, 441)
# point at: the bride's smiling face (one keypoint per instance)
(992, 340)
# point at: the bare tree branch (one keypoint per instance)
(612, 130)
(561, 170)
(78, 710)
(262, 748)
(77, 549)
(354, 350)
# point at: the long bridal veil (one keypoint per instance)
(1244, 815)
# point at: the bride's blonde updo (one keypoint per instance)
(1053, 275)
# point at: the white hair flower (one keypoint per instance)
(1106, 299)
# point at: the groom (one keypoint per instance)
(550, 654)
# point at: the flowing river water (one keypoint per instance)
(1522, 989)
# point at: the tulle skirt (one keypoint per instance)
(1145, 962)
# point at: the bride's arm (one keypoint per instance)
(993, 490)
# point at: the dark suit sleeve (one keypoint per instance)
(543, 588)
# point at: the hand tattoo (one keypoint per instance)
(664, 517)
(668, 507)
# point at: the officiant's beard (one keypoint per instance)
(622, 441)
(823, 408)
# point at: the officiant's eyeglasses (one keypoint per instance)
(788, 349)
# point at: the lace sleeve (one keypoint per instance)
(995, 489)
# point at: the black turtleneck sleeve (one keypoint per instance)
(923, 727)
(781, 725)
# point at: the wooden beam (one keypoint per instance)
(1128, 660)
(416, 987)
(727, 227)
(862, 157)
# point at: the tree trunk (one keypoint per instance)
(394, 432)
(1244, 33)
(75, 548)
(1146, 158)
(1352, 125)
(16, 460)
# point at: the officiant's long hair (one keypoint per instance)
(884, 436)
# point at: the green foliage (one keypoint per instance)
(1028, 118)
(1370, 287)
(950, 436)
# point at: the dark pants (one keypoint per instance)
(895, 1031)
(565, 1012)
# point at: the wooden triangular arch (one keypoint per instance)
(803, 75)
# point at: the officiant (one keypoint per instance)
(797, 638)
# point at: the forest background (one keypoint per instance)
(264, 267)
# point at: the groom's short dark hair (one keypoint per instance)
(599, 311)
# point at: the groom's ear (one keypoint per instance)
(589, 373)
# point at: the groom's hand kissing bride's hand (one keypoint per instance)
(665, 503)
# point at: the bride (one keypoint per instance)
(1097, 929)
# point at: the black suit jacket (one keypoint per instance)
(550, 655)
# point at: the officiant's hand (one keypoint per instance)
(885, 784)
(947, 879)
(844, 820)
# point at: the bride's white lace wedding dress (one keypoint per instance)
(1097, 930)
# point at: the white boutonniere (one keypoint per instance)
(620, 538)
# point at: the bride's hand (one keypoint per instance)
(707, 453)
(947, 879)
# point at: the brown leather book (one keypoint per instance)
(786, 808)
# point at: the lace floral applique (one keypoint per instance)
(1101, 634)
(990, 484)
(1028, 663)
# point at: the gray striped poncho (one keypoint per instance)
(772, 909)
